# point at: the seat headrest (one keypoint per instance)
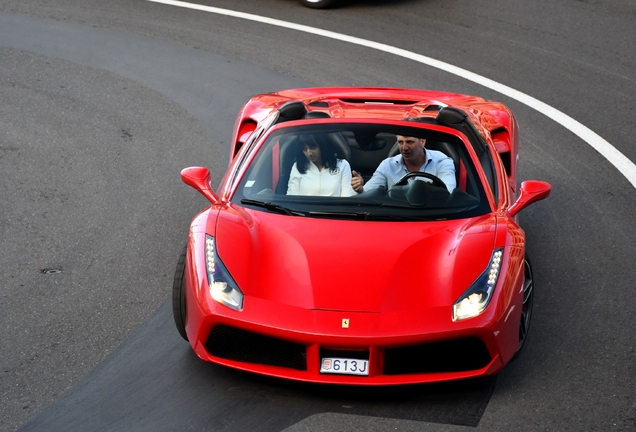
(340, 145)
(291, 111)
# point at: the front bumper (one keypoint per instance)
(401, 347)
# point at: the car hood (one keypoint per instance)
(359, 266)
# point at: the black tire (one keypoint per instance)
(178, 295)
(528, 302)
(318, 4)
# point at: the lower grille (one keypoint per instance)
(458, 355)
(239, 345)
(348, 354)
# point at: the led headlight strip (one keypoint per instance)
(222, 287)
(475, 300)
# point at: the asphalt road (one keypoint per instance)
(103, 102)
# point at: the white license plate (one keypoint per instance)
(344, 366)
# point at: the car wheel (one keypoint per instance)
(318, 4)
(528, 301)
(178, 295)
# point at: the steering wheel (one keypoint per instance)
(437, 182)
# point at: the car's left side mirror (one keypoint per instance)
(530, 191)
(199, 178)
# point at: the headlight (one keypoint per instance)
(476, 298)
(222, 287)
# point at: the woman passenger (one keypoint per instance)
(317, 170)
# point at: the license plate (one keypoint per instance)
(344, 366)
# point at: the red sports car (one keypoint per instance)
(416, 280)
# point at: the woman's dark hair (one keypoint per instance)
(327, 151)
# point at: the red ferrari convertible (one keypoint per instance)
(292, 273)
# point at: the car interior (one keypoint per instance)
(364, 146)
(363, 158)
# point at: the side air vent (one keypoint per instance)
(427, 120)
(433, 108)
(319, 104)
(317, 114)
(380, 101)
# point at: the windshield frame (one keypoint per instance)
(250, 156)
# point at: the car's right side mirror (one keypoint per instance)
(530, 191)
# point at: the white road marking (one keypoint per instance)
(625, 166)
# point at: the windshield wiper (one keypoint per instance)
(367, 216)
(272, 207)
(346, 215)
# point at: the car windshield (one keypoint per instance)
(306, 171)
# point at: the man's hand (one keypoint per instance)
(356, 182)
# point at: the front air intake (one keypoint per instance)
(239, 345)
(459, 355)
